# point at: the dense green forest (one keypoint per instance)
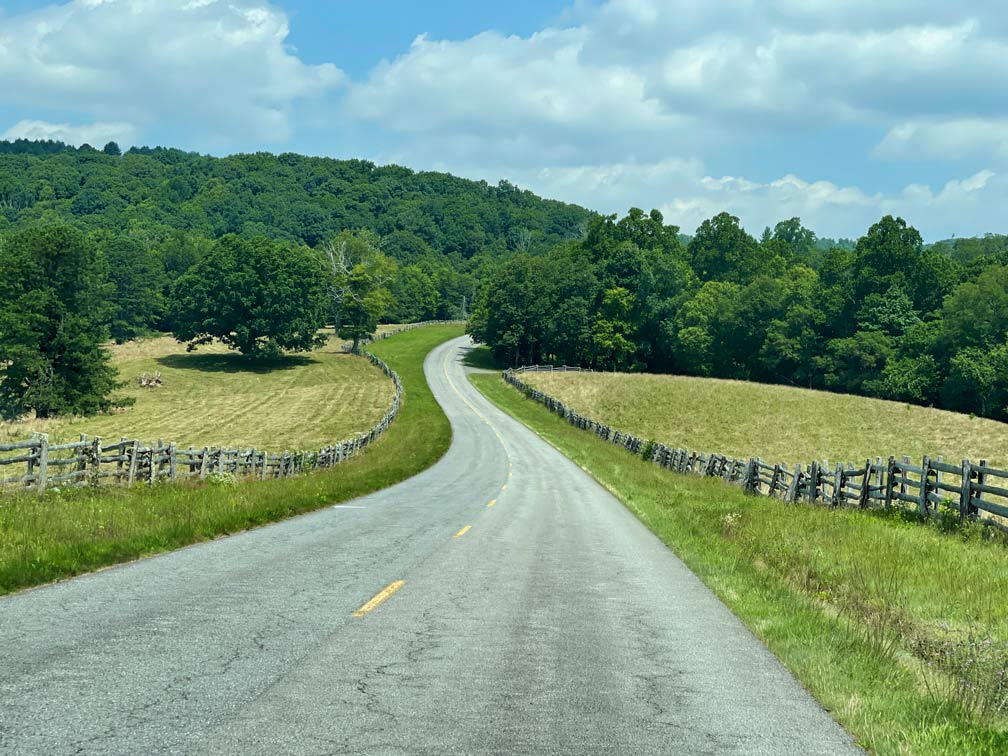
(883, 316)
(166, 205)
(260, 251)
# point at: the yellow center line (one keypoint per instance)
(492, 502)
(504, 487)
(384, 595)
(463, 531)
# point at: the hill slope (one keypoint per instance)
(778, 423)
(155, 192)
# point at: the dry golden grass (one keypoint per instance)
(778, 423)
(214, 397)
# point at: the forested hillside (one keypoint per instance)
(884, 316)
(169, 204)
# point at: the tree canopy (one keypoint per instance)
(258, 296)
(52, 297)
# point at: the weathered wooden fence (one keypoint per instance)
(969, 488)
(36, 465)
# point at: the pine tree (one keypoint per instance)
(52, 312)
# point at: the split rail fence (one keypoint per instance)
(973, 490)
(36, 465)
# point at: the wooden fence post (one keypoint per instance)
(82, 458)
(204, 463)
(865, 497)
(965, 490)
(133, 462)
(813, 493)
(750, 483)
(43, 463)
(981, 478)
(172, 461)
(922, 502)
(94, 474)
(839, 479)
(155, 461)
(791, 497)
(890, 484)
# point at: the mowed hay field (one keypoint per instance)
(780, 424)
(215, 397)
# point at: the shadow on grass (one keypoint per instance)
(480, 357)
(232, 363)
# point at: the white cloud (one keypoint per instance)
(687, 195)
(950, 140)
(217, 71)
(627, 104)
(95, 134)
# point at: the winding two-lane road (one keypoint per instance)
(556, 624)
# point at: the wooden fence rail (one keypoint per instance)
(969, 489)
(36, 465)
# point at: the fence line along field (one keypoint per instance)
(964, 488)
(777, 423)
(215, 397)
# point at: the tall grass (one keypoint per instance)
(59, 534)
(900, 631)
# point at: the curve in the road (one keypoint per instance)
(499, 602)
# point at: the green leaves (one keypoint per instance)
(257, 296)
(51, 313)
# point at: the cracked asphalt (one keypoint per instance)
(557, 625)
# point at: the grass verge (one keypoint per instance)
(65, 533)
(900, 631)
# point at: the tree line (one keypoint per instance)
(885, 316)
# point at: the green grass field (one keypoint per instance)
(777, 423)
(900, 631)
(215, 397)
(60, 534)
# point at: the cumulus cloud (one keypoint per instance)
(947, 139)
(95, 134)
(687, 195)
(216, 70)
(626, 104)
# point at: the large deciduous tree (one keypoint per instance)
(52, 311)
(258, 296)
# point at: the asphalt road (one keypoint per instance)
(556, 624)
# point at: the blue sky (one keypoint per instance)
(834, 112)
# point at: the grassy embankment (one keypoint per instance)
(44, 538)
(901, 631)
